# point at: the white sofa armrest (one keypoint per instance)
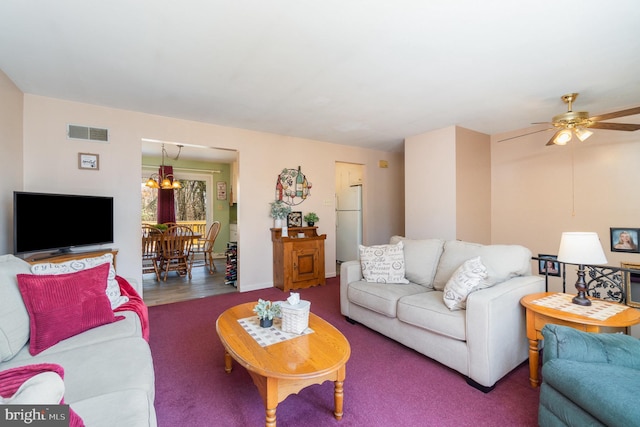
(496, 328)
(350, 271)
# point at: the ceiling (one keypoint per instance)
(359, 72)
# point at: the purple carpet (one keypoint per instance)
(387, 384)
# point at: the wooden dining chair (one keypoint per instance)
(204, 246)
(175, 252)
(150, 250)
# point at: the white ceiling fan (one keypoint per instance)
(578, 123)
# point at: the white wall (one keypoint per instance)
(11, 159)
(50, 164)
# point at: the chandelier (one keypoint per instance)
(162, 180)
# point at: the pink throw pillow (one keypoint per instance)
(64, 305)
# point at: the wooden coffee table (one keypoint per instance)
(539, 315)
(287, 367)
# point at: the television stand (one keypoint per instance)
(68, 256)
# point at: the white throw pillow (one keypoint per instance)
(469, 277)
(46, 388)
(112, 289)
(383, 263)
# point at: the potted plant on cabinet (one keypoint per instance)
(311, 218)
(279, 212)
(266, 311)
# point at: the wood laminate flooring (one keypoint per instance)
(176, 288)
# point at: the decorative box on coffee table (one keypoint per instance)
(298, 262)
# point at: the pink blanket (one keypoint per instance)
(134, 304)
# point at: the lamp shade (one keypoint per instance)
(581, 248)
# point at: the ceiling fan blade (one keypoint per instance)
(553, 137)
(524, 134)
(614, 126)
(621, 113)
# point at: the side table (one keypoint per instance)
(539, 315)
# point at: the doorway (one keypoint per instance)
(349, 210)
(207, 176)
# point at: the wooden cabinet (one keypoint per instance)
(298, 262)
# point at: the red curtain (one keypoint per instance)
(166, 202)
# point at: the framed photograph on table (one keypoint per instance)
(548, 265)
(294, 219)
(88, 161)
(624, 239)
(632, 283)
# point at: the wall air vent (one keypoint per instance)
(87, 133)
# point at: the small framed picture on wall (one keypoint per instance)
(624, 239)
(548, 265)
(88, 161)
(221, 190)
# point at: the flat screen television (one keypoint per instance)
(58, 222)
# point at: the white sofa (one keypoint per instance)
(108, 370)
(485, 341)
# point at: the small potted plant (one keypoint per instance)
(279, 211)
(266, 311)
(311, 218)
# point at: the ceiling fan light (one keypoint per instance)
(583, 134)
(563, 137)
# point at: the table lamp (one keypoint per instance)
(581, 248)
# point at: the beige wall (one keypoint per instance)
(430, 185)
(448, 185)
(473, 186)
(538, 191)
(11, 103)
(50, 165)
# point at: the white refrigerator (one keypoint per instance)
(348, 223)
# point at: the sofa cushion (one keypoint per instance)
(380, 297)
(14, 319)
(502, 261)
(112, 289)
(128, 327)
(107, 367)
(64, 305)
(420, 259)
(383, 263)
(134, 409)
(426, 310)
(469, 277)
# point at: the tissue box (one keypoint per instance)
(295, 318)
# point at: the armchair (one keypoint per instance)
(589, 379)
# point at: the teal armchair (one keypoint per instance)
(589, 379)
